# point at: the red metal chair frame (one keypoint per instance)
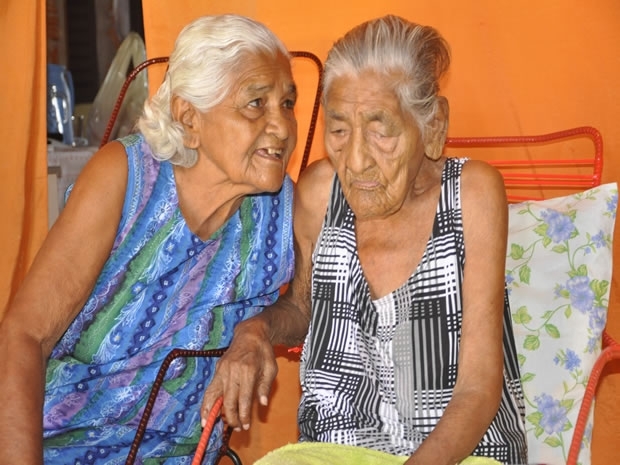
(513, 178)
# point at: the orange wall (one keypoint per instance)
(519, 67)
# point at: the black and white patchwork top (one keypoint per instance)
(380, 373)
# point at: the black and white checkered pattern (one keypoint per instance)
(379, 374)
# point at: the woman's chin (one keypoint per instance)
(271, 183)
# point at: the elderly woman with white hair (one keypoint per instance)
(170, 237)
(399, 292)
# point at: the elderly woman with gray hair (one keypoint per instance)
(399, 292)
(170, 237)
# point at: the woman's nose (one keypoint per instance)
(358, 158)
(279, 123)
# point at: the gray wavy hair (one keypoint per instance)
(392, 45)
(201, 70)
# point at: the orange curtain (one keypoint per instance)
(23, 172)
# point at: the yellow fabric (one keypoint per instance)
(23, 134)
(317, 453)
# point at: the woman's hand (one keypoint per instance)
(248, 367)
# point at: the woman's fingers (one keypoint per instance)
(241, 373)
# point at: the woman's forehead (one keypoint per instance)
(375, 97)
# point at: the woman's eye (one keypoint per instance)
(256, 103)
(289, 103)
(378, 132)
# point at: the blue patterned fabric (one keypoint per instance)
(161, 288)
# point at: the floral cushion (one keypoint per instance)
(558, 273)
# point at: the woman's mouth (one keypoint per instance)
(271, 152)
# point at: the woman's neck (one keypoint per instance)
(205, 203)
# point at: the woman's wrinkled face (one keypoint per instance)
(375, 146)
(251, 134)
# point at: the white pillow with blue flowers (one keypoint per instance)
(558, 273)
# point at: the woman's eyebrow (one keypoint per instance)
(377, 115)
(335, 115)
(292, 89)
(258, 88)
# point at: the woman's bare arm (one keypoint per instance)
(249, 364)
(54, 290)
(477, 393)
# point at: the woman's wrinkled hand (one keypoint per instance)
(248, 367)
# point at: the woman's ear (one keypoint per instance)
(186, 114)
(437, 130)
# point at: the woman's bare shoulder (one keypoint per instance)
(315, 181)
(484, 203)
(320, 171)
(311, 196)
(108, 163)
(480, 180)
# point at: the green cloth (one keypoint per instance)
(320, 453)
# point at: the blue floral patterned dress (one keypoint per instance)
(161, 288)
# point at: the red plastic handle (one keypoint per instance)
(206, 432)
